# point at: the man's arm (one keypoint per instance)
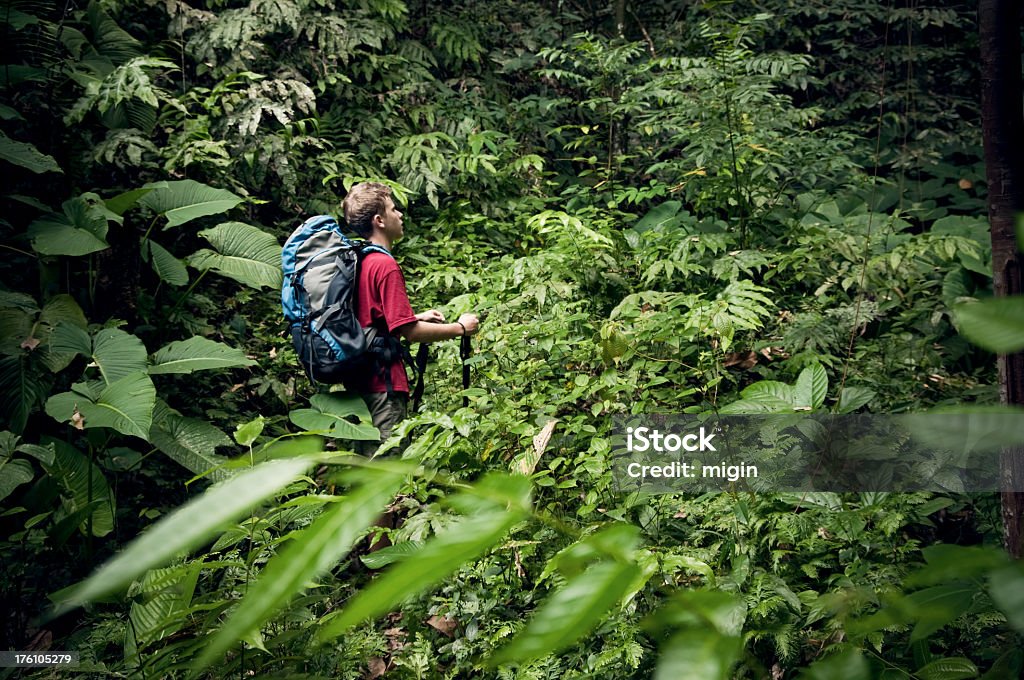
(426, 331)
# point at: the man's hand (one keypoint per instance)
(470, 323)
(431, 316)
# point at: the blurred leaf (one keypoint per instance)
(459, 543)
(845, 665)
(696, 653)
(997, 324)
(570, 613)
(186, 528)
(14, 473)
(1006, 587)
(310, 553)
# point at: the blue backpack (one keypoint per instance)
(318, 297)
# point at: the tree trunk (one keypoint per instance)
(1002, 119)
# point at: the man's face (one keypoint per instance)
(392, 220)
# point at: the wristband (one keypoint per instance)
(463, 327)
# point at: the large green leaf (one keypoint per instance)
(160, 605)
(330, 414)
(570, 613)
(58, 310)
(243, 253)
(22, 390)
(186, 528)
(457, 544)
(190, 442)
(26, 155)
(698, 653)
(83, 484)
(195, 354)
(116, 353)
(185, 200)
(81, 229)
(307, 556)
(846, 665)
(125, 406)
(167, 266)
(13, 473)
(935, 607)
(996, 324)
(122, 203)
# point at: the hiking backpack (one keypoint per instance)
(318, 297)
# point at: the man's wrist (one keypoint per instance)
(462, 326)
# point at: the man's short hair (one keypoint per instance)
(363, 202)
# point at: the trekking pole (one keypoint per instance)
(465, 351)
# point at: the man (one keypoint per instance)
(384, 304)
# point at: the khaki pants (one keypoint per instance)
(386, 412)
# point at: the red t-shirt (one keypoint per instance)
(384, 303)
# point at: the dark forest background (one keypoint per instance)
(759, 206)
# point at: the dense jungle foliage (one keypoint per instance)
(662, 207)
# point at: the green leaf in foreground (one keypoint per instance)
(846, 665)
(186, 528)
(459, 543)
(698, 653)
(195, 354)
(1006, 586)
(308, 555)
(996, 324)
(570, 613)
